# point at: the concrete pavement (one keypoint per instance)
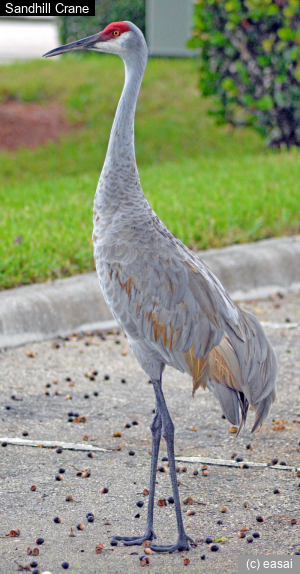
(42, 382)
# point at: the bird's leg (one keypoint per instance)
(149, 532)
(168, 433)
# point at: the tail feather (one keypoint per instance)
(228, 399)
(243, 371)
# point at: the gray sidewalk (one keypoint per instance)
(48, 380)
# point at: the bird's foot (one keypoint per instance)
(182, 545)
(136, 540)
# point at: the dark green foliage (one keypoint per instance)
(76, 27)
(250, 62)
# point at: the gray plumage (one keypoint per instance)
(172, 308)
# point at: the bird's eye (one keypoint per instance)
(116, 33)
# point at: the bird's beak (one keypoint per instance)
(85, 44)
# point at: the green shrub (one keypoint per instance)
(250, 63)
(76, 27)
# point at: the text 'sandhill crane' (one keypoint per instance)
(173, 310)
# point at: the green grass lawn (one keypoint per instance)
(210, 185)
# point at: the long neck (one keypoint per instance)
(121, 150)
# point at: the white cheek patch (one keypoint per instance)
(114, 46)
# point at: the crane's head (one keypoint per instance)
(117, 38)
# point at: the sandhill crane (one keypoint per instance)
(172, 308)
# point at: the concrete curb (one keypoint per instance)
(39, 312)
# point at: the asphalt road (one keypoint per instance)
(200, 430)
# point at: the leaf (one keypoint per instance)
(223, 539)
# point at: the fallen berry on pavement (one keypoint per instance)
(40, 541)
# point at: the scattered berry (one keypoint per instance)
(162, 469)
(256, 535)
(162, 502)
(25, 433)
(80, 526)
(96, 393)
(195, 472)
(241, 534)
(249, 446)
(70, 419)
(4, 443)
(277, 490)
(104, 490)
(65, 565)
(90, 454)
(137, 515)
(57, 520)
(171, 500)
(61, 470)
(164, 459)
(249, 539)
(283, 463)
(40, 541)
(86, 396)
(114, 543)
(209, 540)
(59, 477)
(90, 519)
(59, 450)
(106, 378)
(293, 521)
(127, 425)
(140, 503)
(135, 422)
(131, 452)
(214, 547)
(239, 459)
(260, 519)
(33, 564)
(33, 487)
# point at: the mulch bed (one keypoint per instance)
(30, 124)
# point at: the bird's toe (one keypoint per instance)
(181, 546)
(136, 540)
